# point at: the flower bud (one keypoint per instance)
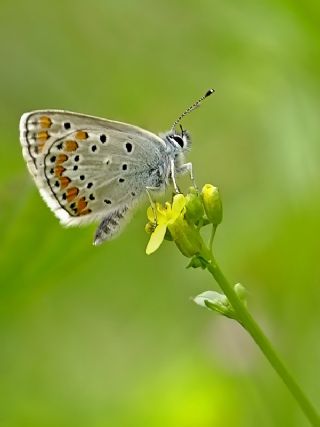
(241, 292)
(186, 237)
(216, 302)
(212, 203)
(194, 207)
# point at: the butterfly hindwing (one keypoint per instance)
(85, 166)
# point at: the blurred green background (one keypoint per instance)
(106, 336)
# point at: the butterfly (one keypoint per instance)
(91, 169)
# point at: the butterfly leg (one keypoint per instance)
(187, 168)
(153, 205)
(173, 177)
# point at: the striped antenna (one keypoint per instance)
(192, 107)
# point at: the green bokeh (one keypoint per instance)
(106, 336)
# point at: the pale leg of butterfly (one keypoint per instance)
(187, 167)
(173, 176)
(148, 189)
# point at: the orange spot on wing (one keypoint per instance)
(82, 204)
(64, 181)
(72, 193)
(85, 212)
(81, 134)
(58, 170)
(44, 122)
(61, 158)
(42, 136)
(70, 145)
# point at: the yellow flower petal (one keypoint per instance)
(178, 204)
(156, 238)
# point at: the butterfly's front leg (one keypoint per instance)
(173, 176)
(187, 168)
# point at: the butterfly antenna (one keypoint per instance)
(192, 107)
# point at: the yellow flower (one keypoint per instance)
(184, 233)
(182, 220)
(166, 216)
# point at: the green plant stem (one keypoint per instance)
(264, 344)
(213, 232)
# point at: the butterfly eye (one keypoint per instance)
(178, 140)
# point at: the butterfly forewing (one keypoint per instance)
(86, 166)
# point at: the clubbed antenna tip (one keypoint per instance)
(192, 107)
(209, 92)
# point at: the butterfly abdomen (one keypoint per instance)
(111, 225)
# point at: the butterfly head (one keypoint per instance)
(178, 142)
